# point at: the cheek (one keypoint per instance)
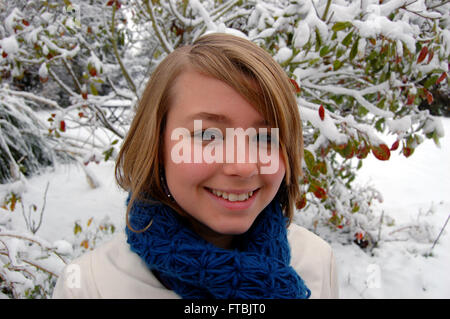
(277, 178)
(184, 177)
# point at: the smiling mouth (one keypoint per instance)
(232, 197)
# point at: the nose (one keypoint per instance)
(244, 170)
(243, 162)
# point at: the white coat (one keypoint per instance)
(113, 271)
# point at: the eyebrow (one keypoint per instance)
(219, 118)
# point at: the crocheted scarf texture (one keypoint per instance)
(194, 268)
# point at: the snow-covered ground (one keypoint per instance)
(416, 194)
(416, 197)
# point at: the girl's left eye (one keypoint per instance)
(208, 135)
(263, 138)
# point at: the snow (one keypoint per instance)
(376, 25)
(400, 125)
(301, 35)
(415, 192)
(43, 71)
(283, 54)
(10, 44)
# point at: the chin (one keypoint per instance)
(233, 229)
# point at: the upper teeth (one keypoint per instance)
(232, 197)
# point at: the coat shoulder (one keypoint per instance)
(312, 258)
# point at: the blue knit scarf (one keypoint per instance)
(194, 268)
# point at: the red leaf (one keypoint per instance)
(321, 112)
(62, 126)
(294, 83)
(93, 71)
(407, 151)
(362, 152)
(4, 54)
(320, 193)
(25, 22)
(395, 146)
(429, 97)
(410, 99)
(84, 95)
(302, 202)
(359, 236)
(441, 78)
(381, 152)
(110, 3)
(423, 53)
(430, 56)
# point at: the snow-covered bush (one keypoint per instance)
(24, 148)
(29, 265)
(359, 69)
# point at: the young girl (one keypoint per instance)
(210, 216)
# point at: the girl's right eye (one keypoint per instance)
(208, 135)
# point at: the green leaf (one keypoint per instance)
(108, 153)
(94, 89)
(309, 160)
(338, 26)
(77, 229)
(348, 39)
(324, 51)
(379, 125)
(337, 65)
(340, 51)
(430, 81)
(354, 49)
(318, 40)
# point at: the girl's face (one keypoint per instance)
(223, 198)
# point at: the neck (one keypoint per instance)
(219, 240)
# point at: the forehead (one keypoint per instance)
(197, 96)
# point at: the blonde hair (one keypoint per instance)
(239, 63)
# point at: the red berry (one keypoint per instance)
(321, 112)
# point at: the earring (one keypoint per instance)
(164, 184)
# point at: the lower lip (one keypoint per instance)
(238, 205)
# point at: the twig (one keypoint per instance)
(14, 235)
(164, 44)
(34, 265)
(116, 53)
(435, 242)
(438, 5)
(42, 209)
